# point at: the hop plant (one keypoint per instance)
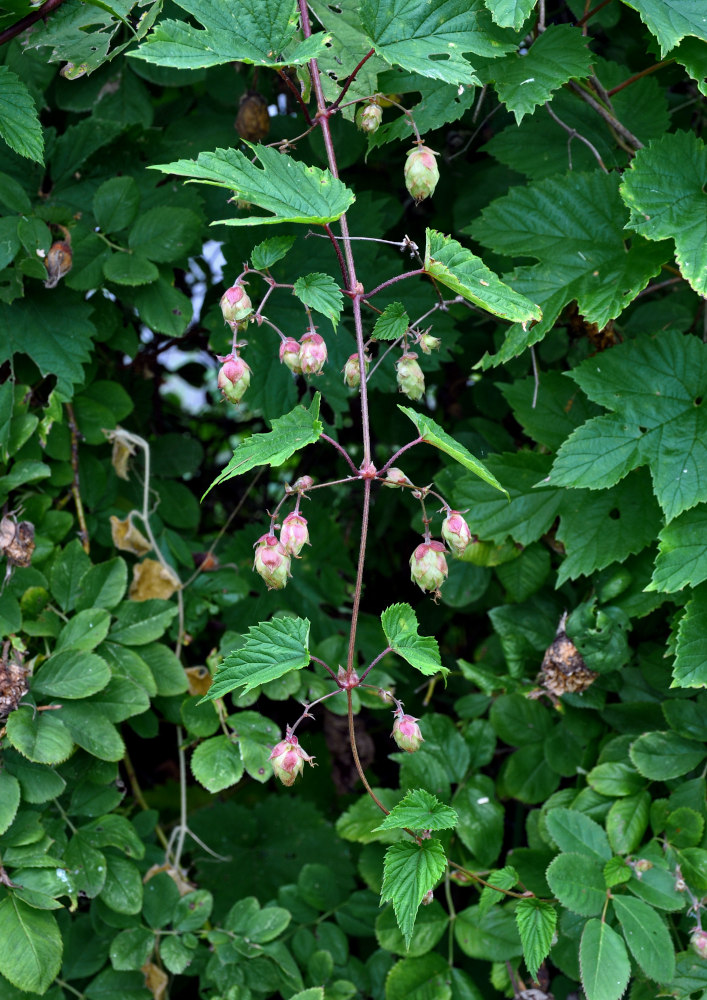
(287, 759)
(289, 355)
(235, 304)
(410, 378)
(456, 532)
(272, 562)
(421, 172)
(233, 377)
(428, 343)
(698, 942)
(352, 370)
(406, 732)
(312, 353)
(369, 117)
(294, 534)
(396, 478)
(428, 566)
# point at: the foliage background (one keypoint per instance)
(144, 849)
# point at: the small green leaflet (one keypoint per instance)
(536, 920)
(690, 669)
(420, 810)
(19, 121)
(504, 878)
(692, 54)
(392, 322)
(578, 882)
(665, 190)
(320, 292)
(448, 262)
(682, 553)
(604, 963)
(295, 430)
(409, 871)
(510, 13)
(440, 103)
(270, 251)
(433, 434)
(248, 31)
(216, 763)
(671, 20)
(559, 54)
(662, 756)
(626, 823)
(647, 937)
(574, 831)
(290, 190)
(422, 652)
(271, 650)
(31, 954)
(412, 35)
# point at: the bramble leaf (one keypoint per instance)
(420, 810)
(647, 937)
(392, 322)
(321, 292)
(19, 121)
(290, 190)
(604, 963)
(409, 871)
(690, 668)
(671, 20)
(31, 954)
(536, 920)
(270, 251)
(510, 13)
(271, 650)
(422, 652)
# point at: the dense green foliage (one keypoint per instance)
(547, 839)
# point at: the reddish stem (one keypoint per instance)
(637, 76)
(339, 448)
(338, 254)
(350, 79)
(393, 281)
(29, 20)
(592, 12)
(305, 111)
(398, 453)
(359, 572)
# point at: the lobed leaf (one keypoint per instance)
(422, 652)
(271, 650)
(420, 810)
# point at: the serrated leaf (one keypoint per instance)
(432, 433)
(165, 234)
(130, 269)
(248, 31)
(270, 251)
(510, 13)
(290, 190)
(271, 650)
(451, 264)
(409, 871)
(573, 831)
(39, 736)
(523, 82)
(9, 799)
(440, 103)
(662, 756)
(665, 190)
(690, 669)
(19, 121)
(422, 652)
(692, 54)
(320, 292)
(536, 920)
(604, 963)
(573, 227)
(647, 937)
(598, 454)
(295, 430)
(626, 822)
(116, 204)
(392, 322)
(504, 878)
(420, 810)
(652, 385)
(72, 673)
(616, 872)
(417, 37)
(578, 883)
(682, 554)
(671, 20)
(31, 954)
(216, 764)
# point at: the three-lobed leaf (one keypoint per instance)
(271, 650)
(420, 810)
(422, 652)
(321, 293)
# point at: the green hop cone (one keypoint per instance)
(421, 173)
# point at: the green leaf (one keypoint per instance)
(603, 961)
(409, 871)
(116, 204)
(626, 822)
(39, 736)
(216, 764)
(573, 227)
(432, 433)
(616, 872)
(480, 826)
(510, 13)
(71, 674)
(684, 827)
(271, 650)
(321, 292)
(662, 756)
(233, 31)
(131, 948)
(122, 891)
(523, 82)
(420, 811)
(615, 778)
(504, 878)
(9, 799)
(85, 630)
(692, 54)
(270, 251)
(392, 322)
(422, 652)
(430, 925)
(573, 831)
(313, 993)
(682, 555)
(417, 38)
(163, 308)
(424, 978)
(19, 121)
(451, 264)
(491, 936)
(671, 20)
(104, 585)
(440, 103)
(665, 190)
(31, 954)
(578, 883)
(295, 430)
(290, 190)
(88, 864)
(165, 234)
(536, 922)
(130, 269)
(647, 937)
(690, 670)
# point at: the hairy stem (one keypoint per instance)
(359, 573)
(357, 762)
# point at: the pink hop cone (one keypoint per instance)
(406, 732)
(235, 304)
(421, 172)
(428, 566)
(698, 942)
(272, 562)
(294, 534)
(410, 378)
(352, 370)
(287, 759)
(456, 532)
(233, 377)
(312, 353)
(302, 484)
(289, 355)
(395, 478)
